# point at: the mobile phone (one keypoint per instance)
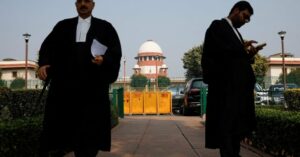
(261, 45)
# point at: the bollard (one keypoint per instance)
(115, 98)
(121, 102)
(203, 96)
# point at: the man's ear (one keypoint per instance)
(236, 11)
(93, 5)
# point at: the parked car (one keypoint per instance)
(177, 96)
(276, 92)
(261, 95)
(191, 100)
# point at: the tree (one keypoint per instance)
(138, 80)
(163, 81)
(192, 62)
(2, 83)
(17, 83)
(292, 77)
(260, 68)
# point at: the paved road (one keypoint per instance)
(162, 136)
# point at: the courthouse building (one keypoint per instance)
(150, 60)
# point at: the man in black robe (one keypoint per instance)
(82, 57)
(226, 64)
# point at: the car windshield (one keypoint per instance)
(198, 84)
(278, 88)
(175, 89)
(258, 88)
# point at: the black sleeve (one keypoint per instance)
(112, 58)
(47, 48)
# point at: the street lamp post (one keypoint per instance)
(124, 78)
(282, 34)
(26, 37)
(156, 70)
(157, 94)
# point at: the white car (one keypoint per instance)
(261, 95)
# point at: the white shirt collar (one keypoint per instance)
(83, 27)
(87, 20)
(229, 21)
(234, 29)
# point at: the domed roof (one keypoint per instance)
(150, 46)
(136, 66)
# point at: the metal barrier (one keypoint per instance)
(203, 100)
(118, 101)
(140, 102)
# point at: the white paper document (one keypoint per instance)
(97, 48)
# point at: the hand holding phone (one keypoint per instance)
(260, 46)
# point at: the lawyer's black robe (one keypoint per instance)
(227, 71)
(77, 112)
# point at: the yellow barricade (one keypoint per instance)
(127, 102)
(147, 103)
(164, 102)
(137, 103)
(150, 103)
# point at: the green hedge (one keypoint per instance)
(23, 103)
(277, 131)
(4, 97)
(292, 99)
(19, 138)
(20, 103)
(21, 122)
(18, 83)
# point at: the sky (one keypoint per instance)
(176, 25)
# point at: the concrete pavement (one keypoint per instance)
(163, 136)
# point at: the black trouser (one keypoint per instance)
(230, 146)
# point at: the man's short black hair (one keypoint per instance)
(242, 5)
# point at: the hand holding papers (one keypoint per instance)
(97, 48)
(97, 60)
